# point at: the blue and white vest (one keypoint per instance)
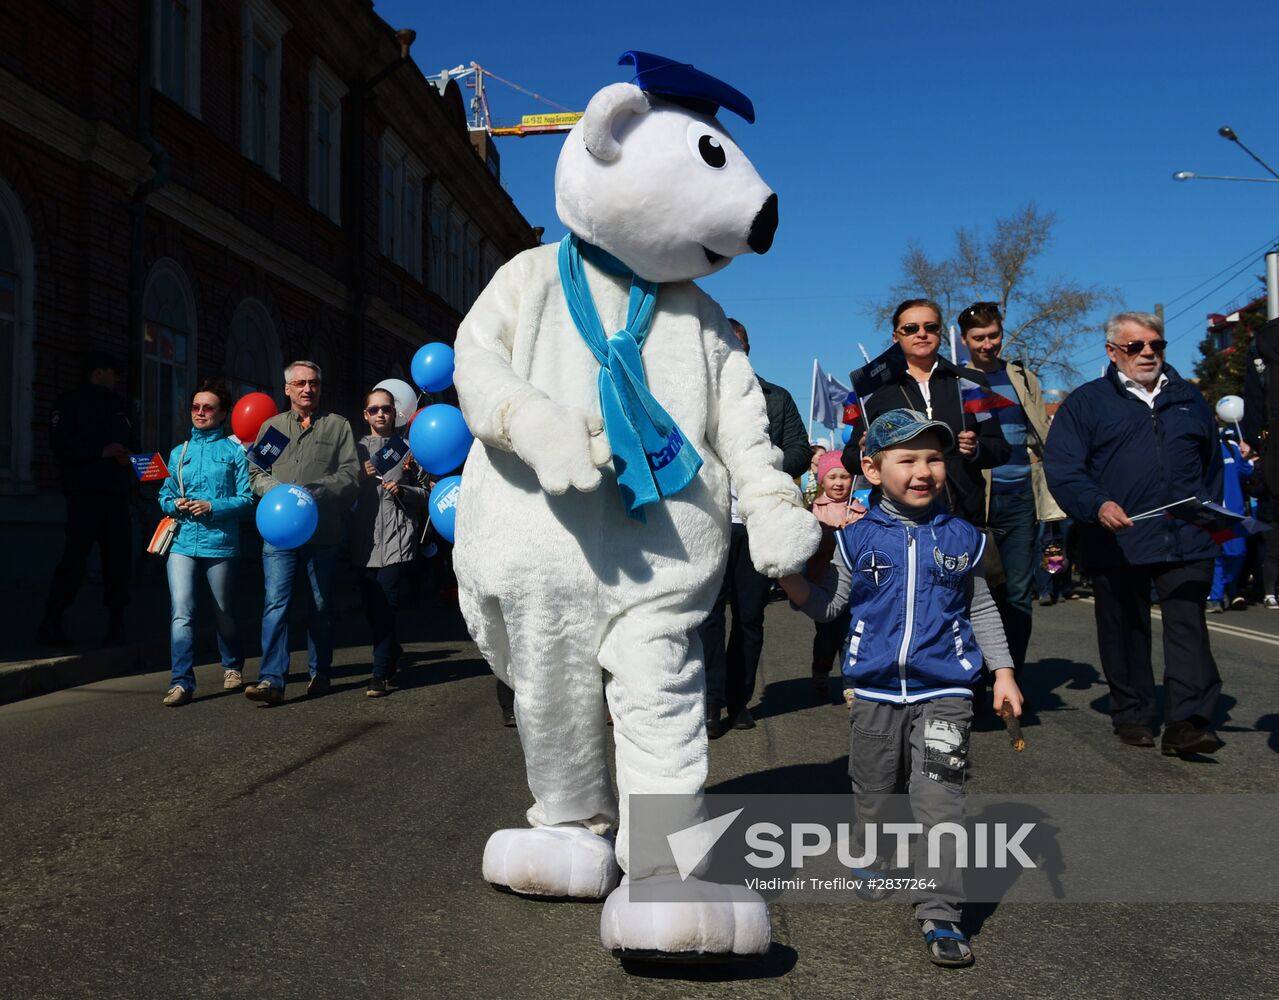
(910, 638)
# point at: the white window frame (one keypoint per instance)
(262, 22)
(17, 478)
(327, 90)
(399, 241)
(191, 100)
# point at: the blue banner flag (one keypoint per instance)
(269, 447)
(828, 400)
(390, 455)
(882, 371)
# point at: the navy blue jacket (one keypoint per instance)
(1106, 444)
(909, 637)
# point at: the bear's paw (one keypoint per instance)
(663, 917)
(561, 861)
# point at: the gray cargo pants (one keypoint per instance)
(921, 749)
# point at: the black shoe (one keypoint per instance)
(265, 692)
(947, 945)
(714, 727)
(1184, 737)
(50, 634)
(744, 720)
(1238, 603)
(377, 688)
(319, 685)
(508, 718)
(1135, 736)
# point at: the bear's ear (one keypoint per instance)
(603, 113)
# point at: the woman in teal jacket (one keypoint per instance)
(207, 493)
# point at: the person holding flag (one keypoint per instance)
(1017, 495)
(913, 374)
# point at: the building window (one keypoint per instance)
(439, 228)
(17, 283)
(176, 44)
(168, 347)
(401, 216)
(263, 29)
(253, 353)
(327, 92)
(454, 296)
(472, 277)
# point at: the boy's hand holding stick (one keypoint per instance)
(1008, 705)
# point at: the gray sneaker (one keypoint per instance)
(265, 691)
(178, 695)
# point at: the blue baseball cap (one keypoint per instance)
(899, 426)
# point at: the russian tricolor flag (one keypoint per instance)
(980, 400)
(852, 408)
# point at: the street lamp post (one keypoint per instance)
(1272, 258)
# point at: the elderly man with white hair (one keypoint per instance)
(1136, 439)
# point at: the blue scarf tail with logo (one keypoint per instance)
(652, 457)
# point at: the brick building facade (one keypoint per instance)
(213, 188)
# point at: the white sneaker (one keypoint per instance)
(178, 695)
(1272, 602)
(232, 680)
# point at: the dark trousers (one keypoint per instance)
(730, 675)
(1012, 519)
(380, 593)
(828, 639)
(93, 519)
(1191, 681)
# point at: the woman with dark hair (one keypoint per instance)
(388, 524)
(207, 493)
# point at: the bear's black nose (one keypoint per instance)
(764, 226)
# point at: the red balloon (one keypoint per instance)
(411, 419)
(250, 414)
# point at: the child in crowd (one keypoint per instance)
(925, 625)
(835, 507)
(1229, 565)
(808, 482)
(1052, 575)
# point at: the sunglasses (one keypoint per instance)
(373, 411)
(910, 329)
(1134, 347)
(302, 383)
(203, 408)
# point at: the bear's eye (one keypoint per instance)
(711, 151)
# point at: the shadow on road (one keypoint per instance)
(793, 779)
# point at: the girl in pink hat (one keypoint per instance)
(835, 506)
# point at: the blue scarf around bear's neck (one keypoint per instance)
(652, 457)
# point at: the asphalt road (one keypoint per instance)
(331, 847)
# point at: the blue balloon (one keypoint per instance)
(443, 504)
(846, 434)
(432, 367)
(440, 439)
(287, 516)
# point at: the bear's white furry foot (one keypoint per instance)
(564, 861)
(670, 920)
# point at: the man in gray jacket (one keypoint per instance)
(320, 455)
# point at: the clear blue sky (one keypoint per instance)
(879, 123)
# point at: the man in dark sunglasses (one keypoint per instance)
(1136, 439)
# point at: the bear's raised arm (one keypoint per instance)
(783, 535)
(563, 445)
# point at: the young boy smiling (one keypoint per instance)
(922, 626)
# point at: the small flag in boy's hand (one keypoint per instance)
(390, 455)
(268, 449)
(980, 400)
(149, 467)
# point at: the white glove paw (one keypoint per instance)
(782, 539)
(563, 446)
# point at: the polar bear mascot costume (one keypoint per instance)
(611, 405)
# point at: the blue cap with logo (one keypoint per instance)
(899, 426)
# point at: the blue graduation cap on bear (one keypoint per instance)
(682, 83)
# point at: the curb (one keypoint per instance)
(36, 677)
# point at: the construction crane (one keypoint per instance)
(481, 120)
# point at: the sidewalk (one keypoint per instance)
(29, 668)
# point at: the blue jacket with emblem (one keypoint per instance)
(1106, 444)
(912, 585)
(215, 470)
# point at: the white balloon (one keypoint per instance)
(405, 398)
(1230, 409)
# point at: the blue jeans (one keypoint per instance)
(1012, 517)
(1225, 577)
(220, 573)
(279, 567)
